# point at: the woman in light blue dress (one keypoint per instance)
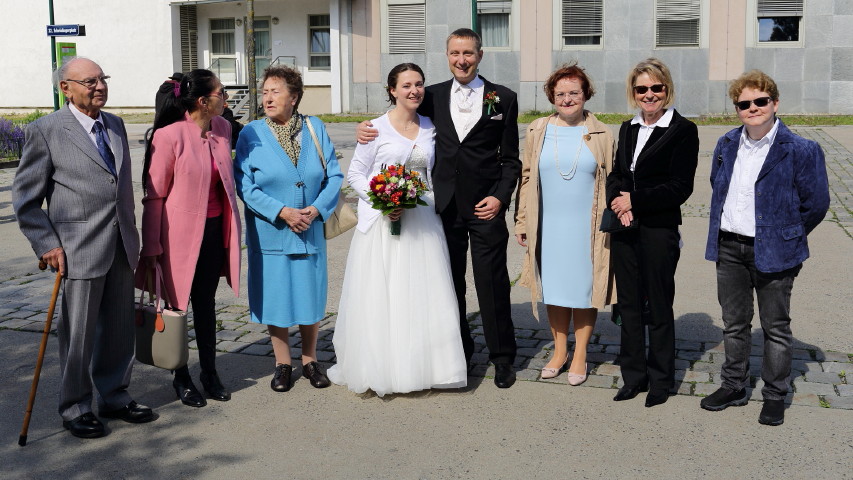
(288, 196)
(560, 202)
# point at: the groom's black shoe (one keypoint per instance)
(504, 375)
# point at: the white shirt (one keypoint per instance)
(88, 124)
(739, 208)
(465, 121)
(646, 132)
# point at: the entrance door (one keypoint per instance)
(263, 45)
(223, 50)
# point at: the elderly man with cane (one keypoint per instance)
(77, 160)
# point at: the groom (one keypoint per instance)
(475, 174)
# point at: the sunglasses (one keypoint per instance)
(759, 102)
(642, 89)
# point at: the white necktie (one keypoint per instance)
(463, 98)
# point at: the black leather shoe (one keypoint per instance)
(772, 413)
(724, 398)
(213, 386)
(85, 426)
(656, 396)
(504, 375)
(314, 373)
(628, 392)
(281, 378)
(131, 413)
(189, 395)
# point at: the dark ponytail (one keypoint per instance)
(174, 98)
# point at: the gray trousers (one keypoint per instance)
(96, 340)
(737, 279)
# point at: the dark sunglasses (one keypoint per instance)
(759, 102)
(642, 89)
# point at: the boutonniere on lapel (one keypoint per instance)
(490, 99)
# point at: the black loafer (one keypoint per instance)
(314, 373)
(628, 392)
(504, 375)
(131, 413)
(85, 426)
(213, 386)
(281, 378)
(656, 396)
(772, 413)
(186, 391)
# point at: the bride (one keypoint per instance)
(397, 329)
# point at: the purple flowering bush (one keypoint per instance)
(11, 139)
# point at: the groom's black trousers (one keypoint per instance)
(488, 240)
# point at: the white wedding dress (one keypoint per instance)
(397, 328)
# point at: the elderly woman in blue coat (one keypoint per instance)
(288, 196)
(770, 190)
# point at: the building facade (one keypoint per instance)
(344, 48)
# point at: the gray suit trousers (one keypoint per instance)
(96, 329)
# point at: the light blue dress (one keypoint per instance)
(287, 271)
(564, 232)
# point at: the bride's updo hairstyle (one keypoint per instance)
(395, 72)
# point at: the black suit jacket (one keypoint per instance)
(486, 162)
(663, 177)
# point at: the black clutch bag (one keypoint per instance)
(610, 222)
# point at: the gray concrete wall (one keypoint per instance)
(814, 78)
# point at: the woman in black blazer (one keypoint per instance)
(652, 176)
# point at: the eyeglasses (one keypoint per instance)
(759, 102)
(221, 94)
(642, 89)
(90, 83)
(573, 95)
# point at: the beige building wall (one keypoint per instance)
(366, 41)
(536, 40)
(727, 39)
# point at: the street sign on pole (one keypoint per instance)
(66, 30)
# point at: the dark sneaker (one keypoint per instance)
(772, 413)
(724, 398)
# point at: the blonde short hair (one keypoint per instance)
(753, 79)
(656, 69)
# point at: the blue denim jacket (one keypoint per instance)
(791, 198)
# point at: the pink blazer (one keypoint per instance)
(174, 209)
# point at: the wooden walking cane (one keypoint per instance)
(22, 439)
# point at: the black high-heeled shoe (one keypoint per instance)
(186, 391)
(213, 386)
(281, 378)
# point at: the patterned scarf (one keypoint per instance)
(288, 135)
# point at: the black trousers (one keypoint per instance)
(208, 269)
(644, 262)
(488, 239)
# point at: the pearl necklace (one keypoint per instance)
(574, 167)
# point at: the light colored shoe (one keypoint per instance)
(548, 372)
(577, 379)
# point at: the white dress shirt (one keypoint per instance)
(465, 121)
(739, 208)
(646, 132)
(88, 124)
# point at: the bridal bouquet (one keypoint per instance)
(396, 187)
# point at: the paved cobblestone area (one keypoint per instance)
(839, 169)
(819, 379)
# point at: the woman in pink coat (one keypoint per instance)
(190, 221)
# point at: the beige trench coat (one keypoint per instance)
(601, 143)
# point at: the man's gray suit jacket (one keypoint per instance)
(87, 207)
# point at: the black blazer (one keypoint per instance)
(663, 177)
(486, 162)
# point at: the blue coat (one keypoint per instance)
(791, 198)
(267, 181)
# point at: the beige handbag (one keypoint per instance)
(343, 218)
(161, 333)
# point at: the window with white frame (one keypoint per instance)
(406, 24)
(582, 22)
(320, 52)
(779, 20)
(677, 23)
(493, 22)
(223, 50)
